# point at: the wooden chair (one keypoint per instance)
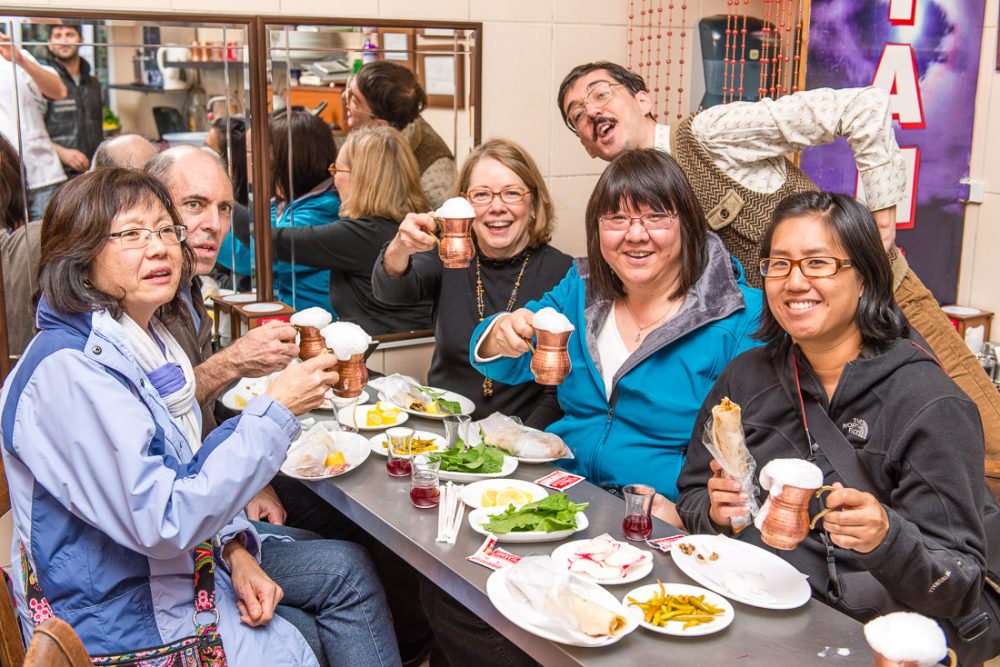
(11, 646)
(54, 644)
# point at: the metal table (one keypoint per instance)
(381, 505)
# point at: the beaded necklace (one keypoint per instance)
(481, 304)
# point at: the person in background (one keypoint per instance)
(836, 348)
(514, 264)
(376, 176)
(19, 247)
(234, 267)
(387, 93)
(76, 123)
(130, 151)
(25, 86)
(735, 156)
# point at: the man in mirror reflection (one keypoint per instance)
(25, 86)
(129, 151)
(75, 124)
(387, 93)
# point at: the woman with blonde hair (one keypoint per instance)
(376, 176)
(513, 265)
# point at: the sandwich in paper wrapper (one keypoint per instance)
(405, 391)
(511, 436)
(723, 436)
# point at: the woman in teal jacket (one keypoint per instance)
(659, 308)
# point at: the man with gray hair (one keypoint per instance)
(130, 151)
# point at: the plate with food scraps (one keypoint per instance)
(501, 493)
(377, 417)
(480, 516)
(679, 609)
(513, 605)
(423, 441)
(508, 466)
(741, 571)
(244, 391)
(351, 450)
(446, 403)
(333, 402)
(604, 560)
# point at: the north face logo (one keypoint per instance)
(857, 427)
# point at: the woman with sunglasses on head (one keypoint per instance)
(659, 308)
(514, 264)
(840, 384)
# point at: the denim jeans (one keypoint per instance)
(38, 199)
(332, 596)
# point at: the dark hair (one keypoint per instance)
(77, 222)
(645, 177)
(75, 25)
(392, 92)
(308, 140)
(853, 227)
(11, 187)
(233, 150)
(631, 80)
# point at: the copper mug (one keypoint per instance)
(455, 248)
(353, 377)
(786, 522)
(550, 362)
(882, 661)
(311, 343)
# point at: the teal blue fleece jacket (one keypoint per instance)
(640, 434)
(312, 286)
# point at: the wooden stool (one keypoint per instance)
(252, 315)
(222, 306)
(964, 318)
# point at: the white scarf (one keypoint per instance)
(181, 403)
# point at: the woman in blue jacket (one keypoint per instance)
(659, 308)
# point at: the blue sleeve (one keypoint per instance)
(754, 299)
(232, 248)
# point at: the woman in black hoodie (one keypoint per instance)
(836, 339)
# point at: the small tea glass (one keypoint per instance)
(638, 522)
(424, 491)
(455, 427)
(398, 460)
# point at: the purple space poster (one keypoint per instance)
(926, 54)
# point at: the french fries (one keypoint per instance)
(691, 610)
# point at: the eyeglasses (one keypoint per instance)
(334, 170)
(484, 196)
(811, 267)
(352, 101)
(598, 97)
(619, 222)
(140, 236)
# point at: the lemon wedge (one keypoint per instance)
(489, 498)
(512, 495)
(240, 401)
(335, 459)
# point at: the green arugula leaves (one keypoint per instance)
(547, 515)
(481, 459)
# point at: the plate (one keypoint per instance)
(561, 555)
(355, 448)
(523, 459)
(646, 592)
(479, 516)
(787, 588)
(332, 402)
(241, 393)
(360, 416)
(377, 443)
(509, 466)
(267, 307)
(514, 606)
(466, 405)
(240, 298)
(472, 495)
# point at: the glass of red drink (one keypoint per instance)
(398, 454)
(638, 523)
(424, 491)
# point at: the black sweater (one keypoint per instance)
(455, 317)
(349, 249)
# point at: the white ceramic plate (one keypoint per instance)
(514, 606)
(241, 393)
(360, 416)
(472, 495)
(355, 448)
(331, 402)
(480, 516)
(267, 307)
(786, 587)
(241, 298)
(379, 446)
(676, 628)
(531, 461)
(562, 555)
(466, 405)
(509, 466)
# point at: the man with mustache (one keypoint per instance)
(75, 124)
(734, 156)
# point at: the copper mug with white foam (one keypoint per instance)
(456, 248)
(353, 376)
(786, 522)
(550, 362)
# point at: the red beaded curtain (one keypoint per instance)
(657, 41)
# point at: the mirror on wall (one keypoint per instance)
(148, 82)
(335, 79)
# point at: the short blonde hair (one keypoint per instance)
(385, 181)
(515, 158)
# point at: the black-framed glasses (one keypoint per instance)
(598, 97)
(811, 267)
(619, 222)
(139, 237)
(484, 196)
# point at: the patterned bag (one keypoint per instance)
(202, 649)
